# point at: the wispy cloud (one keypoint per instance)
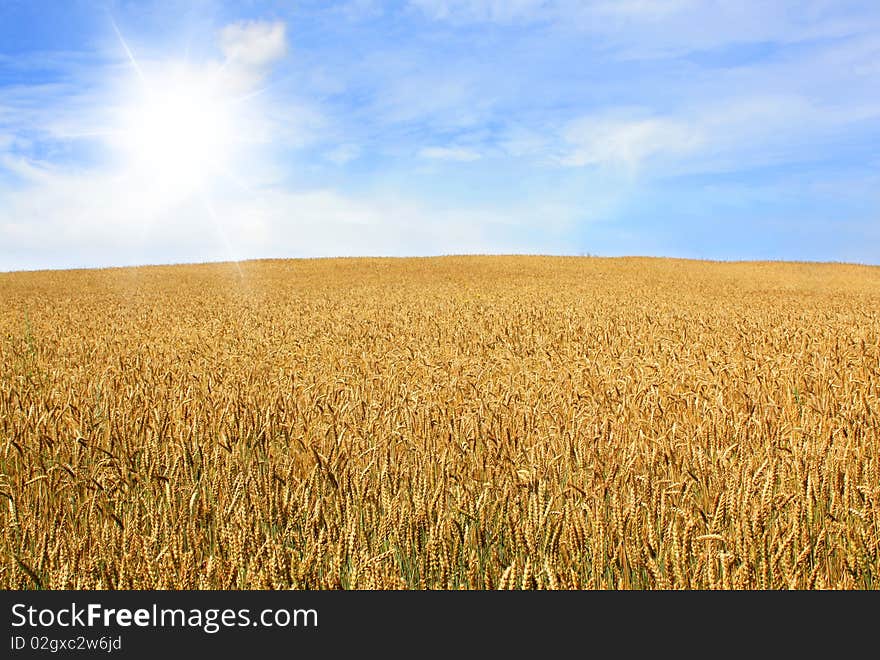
(343, 153)
(254, 43)
(458, 154)
(111, 221)
(531, 11)
(720, 136)
(610, 140)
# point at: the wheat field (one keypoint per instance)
(445, 423)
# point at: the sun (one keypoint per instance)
(177, 130)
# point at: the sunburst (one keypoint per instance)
(177, 127)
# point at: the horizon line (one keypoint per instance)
(579, 255)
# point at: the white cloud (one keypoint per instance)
(768, 129)
(62, 219)
(459, 154)
(520, 141)
(325, 222)
(254, 43)
(445, 100)
(342, 154)
(627, 142)
(55, 109)
(728, 135)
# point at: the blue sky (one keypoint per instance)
(716, 130)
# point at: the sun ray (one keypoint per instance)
(131, 57)
(224, 237)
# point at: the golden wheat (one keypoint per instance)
(481, 422)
